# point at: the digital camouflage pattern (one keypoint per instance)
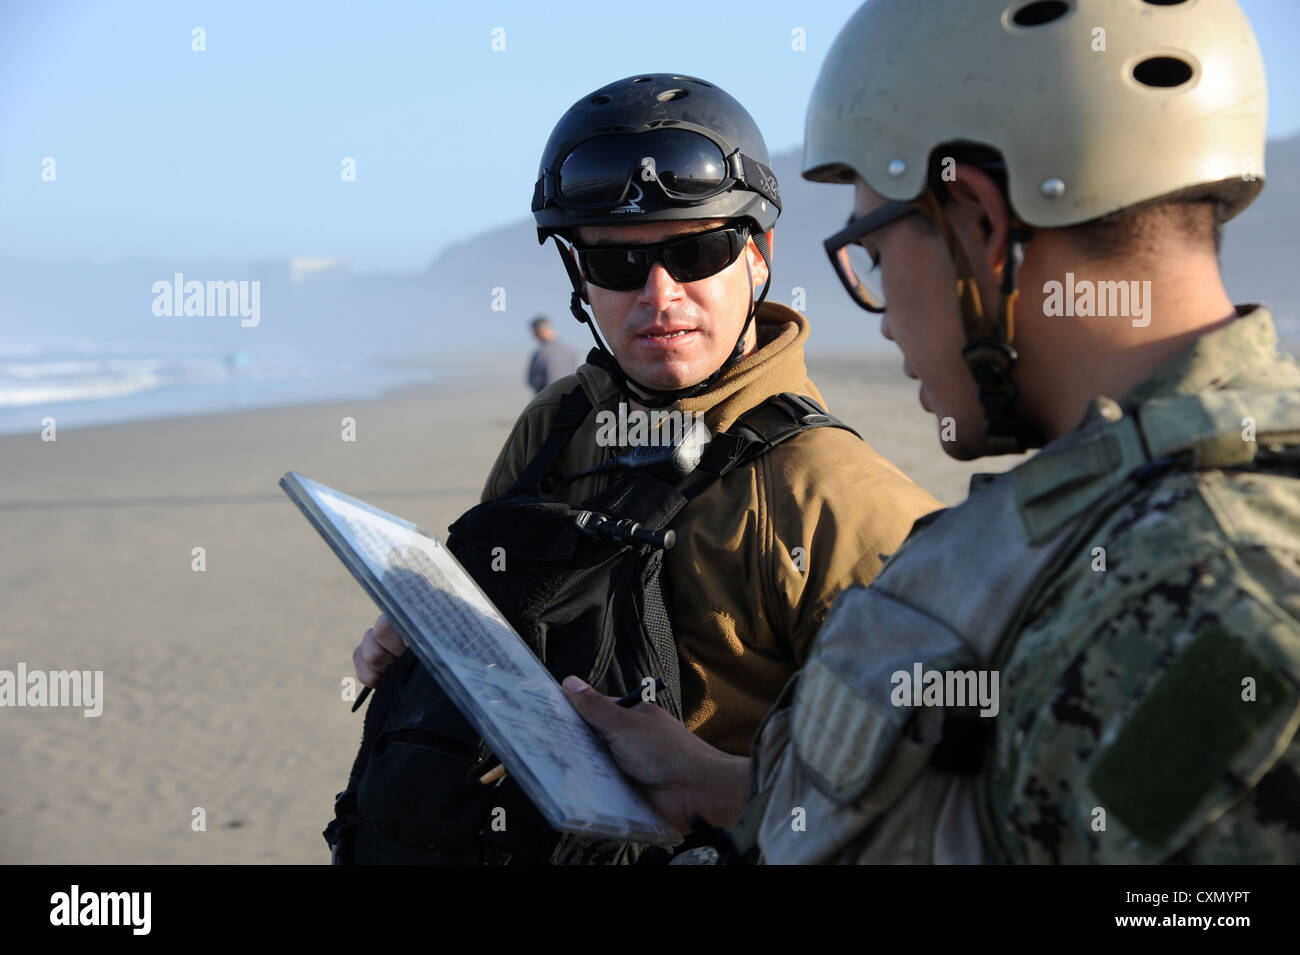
(1150, 707)
(1136, 587)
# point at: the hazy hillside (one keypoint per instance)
(1261, 249)
(448, 308)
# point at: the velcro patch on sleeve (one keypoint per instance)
(841, 739)
(1175, 747)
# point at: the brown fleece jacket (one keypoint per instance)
(743, 611)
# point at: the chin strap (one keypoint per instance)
(644, 395)
(989, 353)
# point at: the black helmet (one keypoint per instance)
(652, 148)
(699, 147)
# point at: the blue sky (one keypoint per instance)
(235, 152)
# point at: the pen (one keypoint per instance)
(631, 699)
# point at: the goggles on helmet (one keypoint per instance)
(605, 171)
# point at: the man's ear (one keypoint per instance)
(582, 289)
(980, 216)
(758, 268)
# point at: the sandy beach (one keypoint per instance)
(222, 690)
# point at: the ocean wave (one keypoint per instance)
(83, 381)
(83, 389)
(89, 379)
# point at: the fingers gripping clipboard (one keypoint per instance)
(484, 666)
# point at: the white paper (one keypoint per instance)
(502, 688)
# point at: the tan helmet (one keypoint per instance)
(1096, 105)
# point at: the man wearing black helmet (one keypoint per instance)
(657, 194)
(661, 186)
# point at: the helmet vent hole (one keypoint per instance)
(642, 79)
(1164, 3)
(1164, 72)
(600, 100)
(1040, 12)
(669, 95)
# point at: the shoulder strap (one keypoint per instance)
(1221, 428)
(573, 410)
(1206, 431)
(651, 501)
(756, 432)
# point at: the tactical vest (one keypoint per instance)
(583, 585)
(904, 784)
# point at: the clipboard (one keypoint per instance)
(484, 666)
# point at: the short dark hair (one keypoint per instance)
(541, 321)
(1133, 231)
(1125, 233)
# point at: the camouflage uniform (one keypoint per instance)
(1115, 671)
(1148, 709)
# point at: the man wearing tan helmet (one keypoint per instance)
(1096, 657)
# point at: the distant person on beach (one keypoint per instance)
(709, 563)
(553, 359)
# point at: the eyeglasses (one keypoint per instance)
(606, 171)
(687, 259)
(857, 268)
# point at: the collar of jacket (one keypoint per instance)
(776, 365)
(1216, 358)
(1244, 347)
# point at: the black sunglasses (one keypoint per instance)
(687, 259)
(857, 269)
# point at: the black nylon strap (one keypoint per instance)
(642, 497)
(759, 177)
(653, 502)
(573, 410)
(757, 431)
(658, 623)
